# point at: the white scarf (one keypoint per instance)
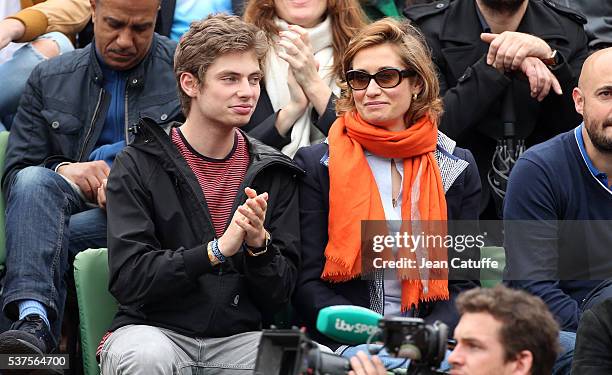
(303, 132)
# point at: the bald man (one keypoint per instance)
(558, 202)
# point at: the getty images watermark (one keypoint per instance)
(413, 242)
(486, 250)
(441, 249)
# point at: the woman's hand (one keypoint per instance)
(294, 110)
(299, 55)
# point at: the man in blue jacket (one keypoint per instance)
(75, 115)
(559, 202)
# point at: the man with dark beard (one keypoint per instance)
(558, 207)
(531, 49)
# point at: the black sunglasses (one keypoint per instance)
(385, 78)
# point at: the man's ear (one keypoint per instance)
(578, 97)
(523, 363)
(93, 10)
(189, 84)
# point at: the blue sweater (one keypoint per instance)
(112, 137)
(562, 259)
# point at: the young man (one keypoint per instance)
(503, 332)
(203, 222)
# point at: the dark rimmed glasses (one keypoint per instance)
(385, 78)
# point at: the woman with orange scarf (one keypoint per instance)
(384, 159)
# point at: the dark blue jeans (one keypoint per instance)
(600, 293)
(47, 224)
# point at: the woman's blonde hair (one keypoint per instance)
(414, 53)
(347, 18)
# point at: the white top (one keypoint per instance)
(381, 169)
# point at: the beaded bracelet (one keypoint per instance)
(216, 252)
(213, 259)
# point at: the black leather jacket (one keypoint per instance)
(64, 104)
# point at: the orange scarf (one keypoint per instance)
(353, 196)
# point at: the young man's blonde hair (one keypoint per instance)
(210, 38)
(412, 49)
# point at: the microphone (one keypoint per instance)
(348, 324)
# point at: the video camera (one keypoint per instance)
(425, 345)
(290, 352)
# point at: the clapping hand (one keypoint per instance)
(254, 214)
(246, 224)
(298, 53)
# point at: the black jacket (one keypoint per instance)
(158, 230)
(261, 124)
(593, 354)
(599, 15)
(63, 107)
(473, 90)
(313, 294)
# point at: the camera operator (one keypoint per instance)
(503, 331)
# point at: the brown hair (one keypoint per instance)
(412, 49)
(210, 38)
(527, 323)
(347, 18)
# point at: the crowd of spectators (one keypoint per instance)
(227, 162)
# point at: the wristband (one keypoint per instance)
(216, 252)
(213, 259)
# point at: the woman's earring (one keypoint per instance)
(415, 96)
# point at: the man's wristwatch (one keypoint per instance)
(553, 60)
(257, 251)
